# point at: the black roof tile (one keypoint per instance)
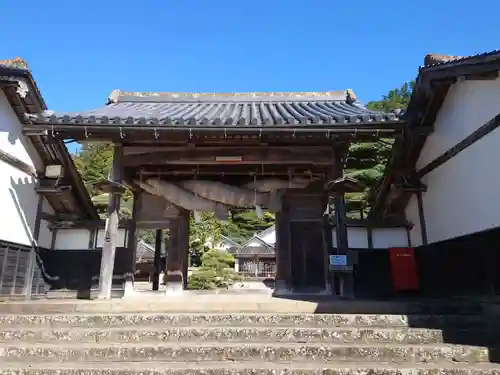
(252, 250)
(241, 109)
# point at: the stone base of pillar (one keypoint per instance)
(174, 282)
(129, 290)
(328, 288)
(281, 288)
(347, 286)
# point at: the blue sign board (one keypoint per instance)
(338, 260)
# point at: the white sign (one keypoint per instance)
(338, 260)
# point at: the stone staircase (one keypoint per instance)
(256, 343)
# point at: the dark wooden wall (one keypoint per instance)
(468, 265)
(78, 270)
(14, 264)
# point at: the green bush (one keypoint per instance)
(217, 260)
(216, 271)
(203, 279)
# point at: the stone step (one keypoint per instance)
(220, 303)
(243, 368)
(232, 351)
(237, 319)
(337, 335)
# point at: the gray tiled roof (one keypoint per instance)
(16, 63)
(252, 250)
(251, 109)
(444, 61)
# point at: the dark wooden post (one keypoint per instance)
(30, 270)
(132, 244)
(283, 266)
(184, 244)
(327, 227)
(111, 231)
(174, 274)
(346, 279)
(421, 217)
(157, 259)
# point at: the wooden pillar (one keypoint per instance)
(346, 278)
(184, 244)
(157, 259)
(421, 217)
(30, 269)
(111, 230)
(174, 275)
(132, 245)
(327, 228)
(283, 266)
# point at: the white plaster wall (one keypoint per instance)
(461, 193)
(382, 238)
(467, 106)
(122, 236)
(270, 237)
(78, 239)
(45, 238)
(18, 198)
(254, 243)
(11, 139)
(412, 217)
(357, 238)
(72, 239)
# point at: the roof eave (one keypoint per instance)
(428, 80)
(57, 148)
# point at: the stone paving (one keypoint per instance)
(251, 334)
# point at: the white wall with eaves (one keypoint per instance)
(461, 196)
(18, 199)
(382, 238)
(80, 239)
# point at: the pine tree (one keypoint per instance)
(367, 161)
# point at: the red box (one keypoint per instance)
(404, 269)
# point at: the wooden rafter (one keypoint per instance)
(240, 156)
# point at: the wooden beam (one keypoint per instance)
(101, 224)
(487, 76)
(17, 164)
(140, 149)
(477, 135)
(227, 170)
(372, 223)
(155, 133)
(421, 218)
(59, 217)
(240, 156)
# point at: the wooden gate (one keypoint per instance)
(17, 265)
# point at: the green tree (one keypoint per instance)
(203, 236)
(367, 161)
(395, 99)
(94, 163)
(245, 223)
(216, 271)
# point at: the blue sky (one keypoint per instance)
(79, 51)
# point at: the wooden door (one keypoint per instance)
(307, 256)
